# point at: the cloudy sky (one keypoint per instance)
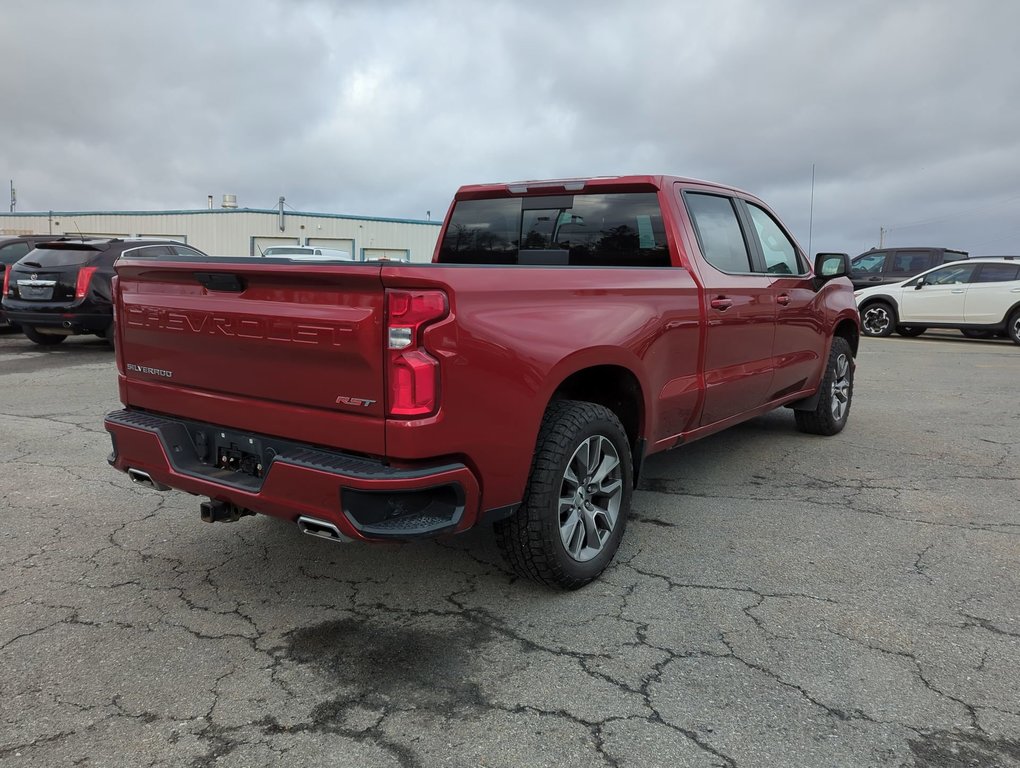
(909, 110)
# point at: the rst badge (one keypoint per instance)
(357, 401)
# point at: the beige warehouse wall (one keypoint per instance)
(232, 233)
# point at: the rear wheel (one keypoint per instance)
(45, 339)
(834, 395)
(1013, 327)
(575, 507)
(110, 334)
(910, 331)
(878, 319)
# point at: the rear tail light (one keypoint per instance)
(413, 373)
(7, 281)
(84, 278)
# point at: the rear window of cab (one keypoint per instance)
(592, 230)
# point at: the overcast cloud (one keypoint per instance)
(910, 110)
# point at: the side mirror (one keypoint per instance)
(829, 266)
(919, 284)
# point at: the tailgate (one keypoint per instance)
(290, 349)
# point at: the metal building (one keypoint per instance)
(232, 231)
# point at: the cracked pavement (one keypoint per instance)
(778, 600)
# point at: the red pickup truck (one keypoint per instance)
(564, 331)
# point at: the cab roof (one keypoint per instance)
(630, 183)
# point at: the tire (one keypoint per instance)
(835, 394)
(43, 339)
(910, 331)
(973, 333)
(110, 334)
(1013, 327)
(878, 319)
(566, 532)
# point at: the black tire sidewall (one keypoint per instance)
(1012, 330)
(580, 573)
(839, 347)
(820, 421)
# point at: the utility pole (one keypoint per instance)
(811, 214)
(881, 237)
(282, 225)
(14, 198)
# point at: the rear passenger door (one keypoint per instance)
(906, 264)
(992, 293)
(739, 307)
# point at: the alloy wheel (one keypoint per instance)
(840, 387)
(590, 496)
(876, 320)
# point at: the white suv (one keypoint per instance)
(979, 297)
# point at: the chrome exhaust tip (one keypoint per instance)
(321, 529)
(138, 477)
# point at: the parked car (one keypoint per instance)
(307, 253)
(11, 249)
(565, 331)
(893, 265)
(62, 288)
(979, 297)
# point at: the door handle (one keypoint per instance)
(721, 303)
(957, 290)
(221, 281)
(782, 299)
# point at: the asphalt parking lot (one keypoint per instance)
(779, 600)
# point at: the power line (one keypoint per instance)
(947, 217)
(1012, 235)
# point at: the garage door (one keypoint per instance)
(339, 243)
(259, 244)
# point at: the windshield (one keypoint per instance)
(868, 263)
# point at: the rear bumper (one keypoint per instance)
(364, 498)
(65, 319)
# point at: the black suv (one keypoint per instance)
(883, 266)
(62, 287)
(13, 248)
